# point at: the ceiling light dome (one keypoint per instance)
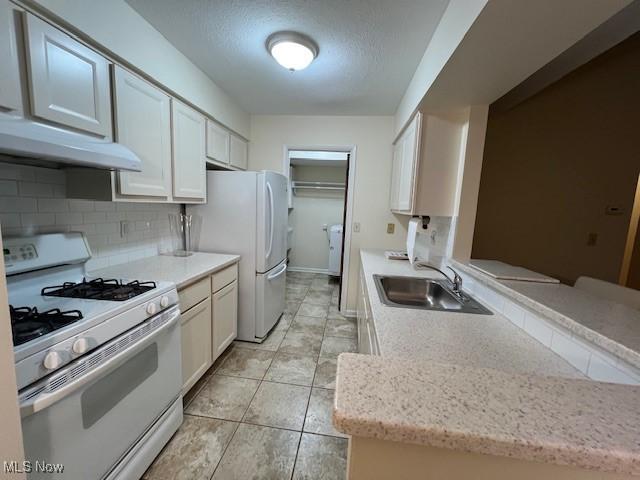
(292, 50)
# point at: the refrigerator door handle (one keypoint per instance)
(271, 213)
(273, 275)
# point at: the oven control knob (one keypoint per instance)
(151, 308)
(52, 360)
(80, 346)
(164, 301)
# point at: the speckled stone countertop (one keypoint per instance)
(478, 383)
(612, 326)
(180, 270)
(544, 419)
(489, 341)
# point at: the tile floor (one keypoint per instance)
(263, 411)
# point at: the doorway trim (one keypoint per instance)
(631, 238)
(351, 150)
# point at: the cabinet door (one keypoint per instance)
(217, 143)
(143, 124)
(396, 171)
(68, 82)
(225, 318)
(196, 343)
(9, 73)
(189, 164)
(238, 153)
(409, 159)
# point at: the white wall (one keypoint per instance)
(455, 22)
(33, 200)
(118, 28)
(311, 210)
(372, 136)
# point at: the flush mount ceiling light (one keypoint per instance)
(292, 50)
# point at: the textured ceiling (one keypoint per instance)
(369, 49)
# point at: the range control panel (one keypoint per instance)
(19, 253)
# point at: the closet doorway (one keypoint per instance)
(320, 214)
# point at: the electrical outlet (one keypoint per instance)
(592, 239)
(391, 227)
(125, 228)
(356, 227)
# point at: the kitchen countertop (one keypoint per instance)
(180, 270)
(609, 325)
(477, 383)
(489, 341)
(544, 419)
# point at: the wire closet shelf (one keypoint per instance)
(329, 186)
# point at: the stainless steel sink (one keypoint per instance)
(425, 294)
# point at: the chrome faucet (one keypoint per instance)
(456, 282)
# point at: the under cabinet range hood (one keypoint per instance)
(25, 138)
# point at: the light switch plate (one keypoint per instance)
(391, 227)
(356, 227)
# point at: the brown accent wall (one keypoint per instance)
(555, 162)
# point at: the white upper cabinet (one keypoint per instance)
(143, 124)
(425, 164)
(217, 143)
(238, 153)
(9, 72)
(68, 82)
(405, 159)
(189, 169)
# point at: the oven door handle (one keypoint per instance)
(43, 400)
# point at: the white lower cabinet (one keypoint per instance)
(196, 343)
(225, 317)
(367, 339)
(209, 322)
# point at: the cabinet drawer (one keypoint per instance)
(195, 293)
(224, 277)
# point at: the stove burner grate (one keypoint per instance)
(100, 289)
(27, 323)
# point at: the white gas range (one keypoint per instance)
(97, 360)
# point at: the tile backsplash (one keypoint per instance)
(33, 200)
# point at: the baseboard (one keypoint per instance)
(308, 270)
(349, 313)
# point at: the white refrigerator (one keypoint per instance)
(246, 214)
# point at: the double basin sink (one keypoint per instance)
(425, 294)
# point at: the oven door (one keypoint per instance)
(87, 416)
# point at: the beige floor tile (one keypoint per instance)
(302, 343)
(319, 413)
(334, 346)
(321, 457)
(314, 325)
(278, 405)
(247, 363)
(292, 368)
(341, 327)
(194, 451)
(271, 343)
(284, 323)
(325, 376)
(292, 307)
(310, 310)
(224, 397)
(257, 452)
(317, 298)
